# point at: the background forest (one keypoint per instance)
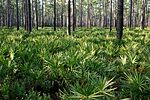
(74, 50)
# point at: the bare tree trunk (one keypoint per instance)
(17, 13)
(143, 14)
(42, 15)
(3, 16)
(26, 14)
(12, 17)
(54, 15)
(115, 13)
(1, 19)
(74, 14)
(88, 14)
(66, 15)
(29, 17)
(57, 18)
(147, 13)
(81, 13)
(148, 16)
(69, 18)
(22, 20)
(106, 19)
(62, 8)
(130, 16)
(104, 14)
(36, 11)
(8, 13)
(137, 14)
(100, 17)
(110, 15)
(120, 19)
(33, 13)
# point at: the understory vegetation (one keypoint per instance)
(88, 65)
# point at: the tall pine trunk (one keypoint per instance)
(26, 14)
(74, 14)
(100, 17)
(88, 14)
(54, 15)
(81, 13)
(69, 18)
(110, 15)
(29, 17)
(130, 16)
(22, 20)
(33, 13)
(17, 15)
(8, 13)
(36, 11)
(115, 13)
(62, 8)
(120, 19)
(42, 15)
(143, 14)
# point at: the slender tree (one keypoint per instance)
(2, 14)
(120, 19)
(54, 15)
(36, 11)
(88, 13)
(110, 15)
(147, 13)
(105, 13)
(62, 8)
(81, 13)
(42, 14)
(29, 17)
(69, 18)
(8, 13)
(74, 14)
(22, 18)
(17, 13)
(100, 13)
(26, 13)
(115, 13)
(143, 14)
(33, 3)
(130, 15)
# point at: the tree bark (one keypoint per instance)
(22, 20)
(54, 15)
(62, 8)
(33, 13)
(74, 15)
(42, 15)
(136, 23)
(120, 19)
(115, 13)
(104, 14)
(143, 14)
(0, 20)
(36, 11)
(100, 18)
(88, 14)
(110, 15)
(17, 13)
(69, 18)
(29, 17)
(130, 16)
(26, 14)
(81, 13)
(8, 13)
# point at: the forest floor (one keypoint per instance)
(90, 64)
